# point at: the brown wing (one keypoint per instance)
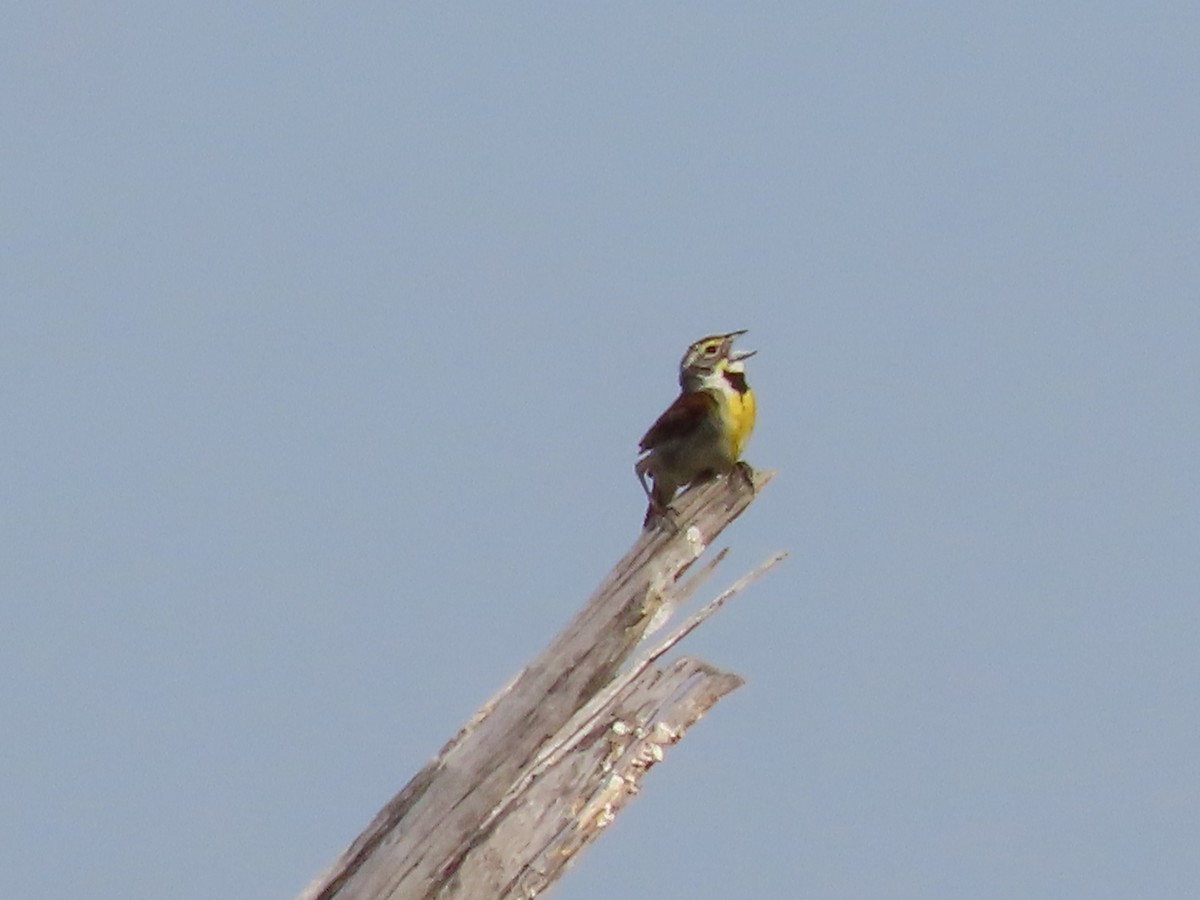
(681, 418)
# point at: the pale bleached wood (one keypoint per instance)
(539, 831)
(540, 769)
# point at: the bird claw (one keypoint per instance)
(747, 472)
(656, 514)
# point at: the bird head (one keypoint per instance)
(711, 355)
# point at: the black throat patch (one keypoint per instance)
(737, 381)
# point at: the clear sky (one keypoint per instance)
(327, 334)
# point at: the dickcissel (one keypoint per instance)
(703, 432)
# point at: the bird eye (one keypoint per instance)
(710, 349)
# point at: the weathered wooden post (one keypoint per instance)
(544, 766)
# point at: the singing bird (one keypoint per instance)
(703, 432)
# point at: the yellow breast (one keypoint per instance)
(735, 407)
(739, 414)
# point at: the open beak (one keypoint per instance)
(738, 355)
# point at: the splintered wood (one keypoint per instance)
(544, 766)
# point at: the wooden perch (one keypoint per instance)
(543, 766)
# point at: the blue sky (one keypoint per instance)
(327, 337)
